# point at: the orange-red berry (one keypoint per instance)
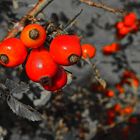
(33, 36)
(66, 49)
(58, 81)
(12, 52)
(40, 65)
(88, 51)
(109, 93)
(130, 19)
(110, 49)
(117, 107)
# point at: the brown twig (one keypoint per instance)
(96, 73)
(103, 6)
(73, 20)
(41, 4)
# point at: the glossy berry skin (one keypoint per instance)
(12, 52)
(63, 47)
(33, 36)
(58, 81)
(88, 51)
(40, 65)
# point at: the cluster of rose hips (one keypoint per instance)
(130, 23)
(128, 78)
(44, 65)
(131, 127)
(116, 111)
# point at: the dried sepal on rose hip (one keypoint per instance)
(88, 51)
(58, 81)
(33, 36)
(40, 65)
(12, 52)
(66, 49)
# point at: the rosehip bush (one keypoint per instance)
(77, 74)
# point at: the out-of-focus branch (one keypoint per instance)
(41, 4)
(104, 6)
(73, 20)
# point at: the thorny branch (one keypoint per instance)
(41, 4)
(39, 7)
(103, 6)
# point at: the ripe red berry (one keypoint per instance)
(120, 88)
(58, 81)
(66, 49)
(40, 65)
(128, 74)
(120, 25)
(110, 49)
(127, 110)
(130, 19)
(88, 51)
(33, 36)
(109, 93)
(117, 107)
(12, 52)
(134, 27)
(124, 31)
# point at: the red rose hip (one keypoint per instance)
(33, 36)
(58, 81)
(12, 52)
(130, 19)
(40, 65)
(88, 50)
(66, 49)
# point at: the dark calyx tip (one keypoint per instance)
(46, 81)
(34, 34)
(74, 58)
(4, 58)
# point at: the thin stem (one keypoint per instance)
(103, 6)
(96, 73)
(73, 19)
(40, 5)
